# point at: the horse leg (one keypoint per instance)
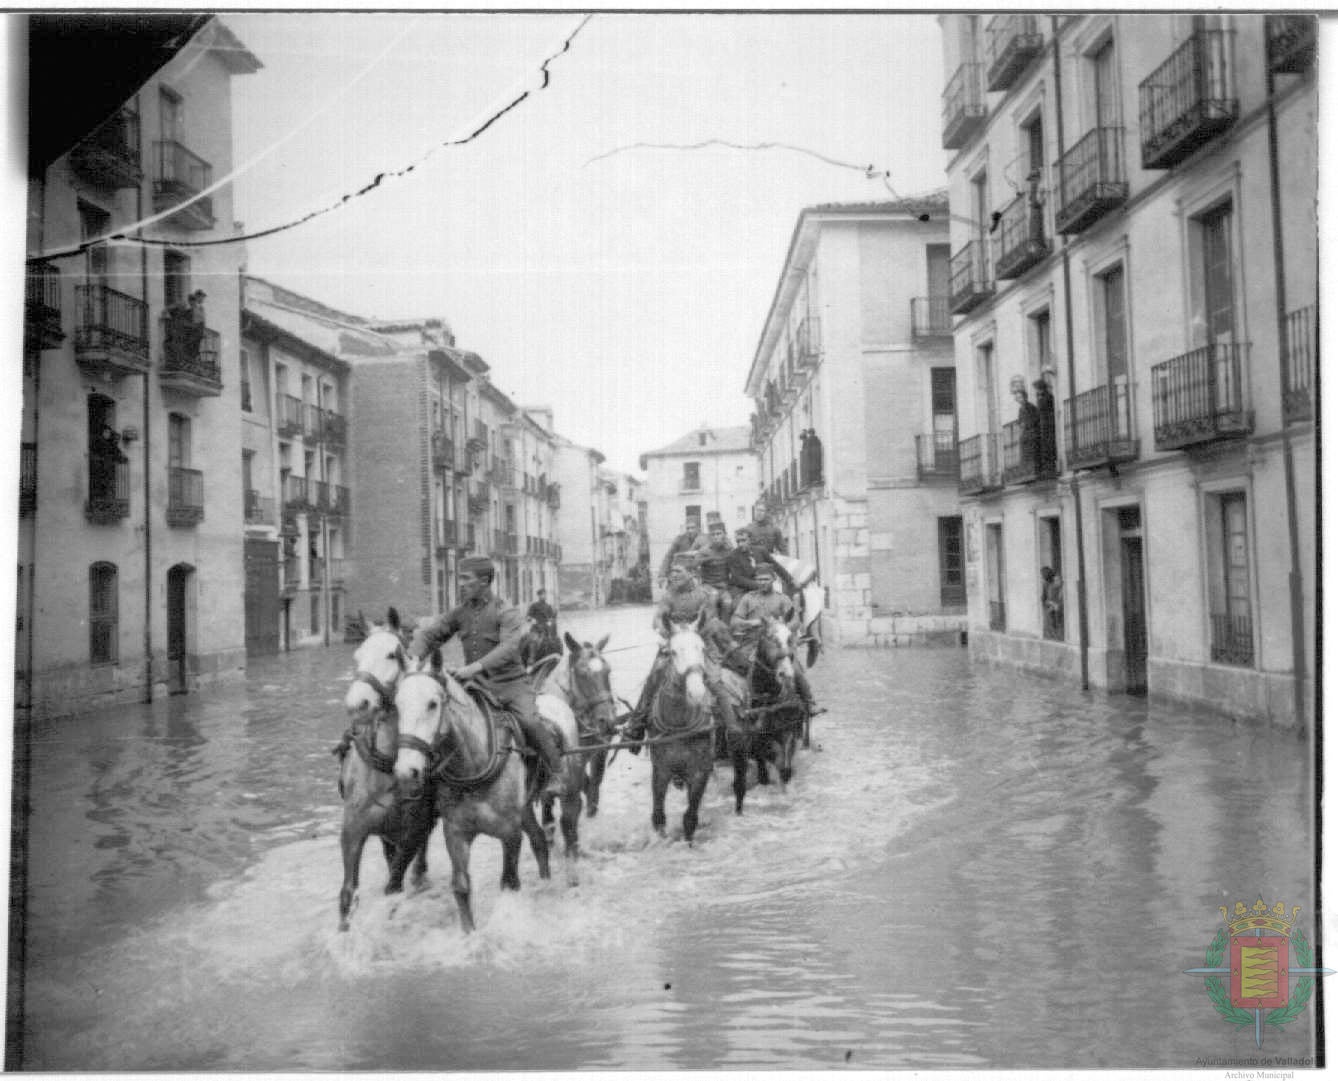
(659, 785)
(457, 845)
(351, 840)
(511, 861)
(404, 841)
(696, 789)
(571, 815)
(538, 839)
(594, 778)
(738, 753)
(785, 758)
(547, 820)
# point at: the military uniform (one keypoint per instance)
(767, 604)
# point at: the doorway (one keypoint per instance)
(180, 612)
(1132, 601)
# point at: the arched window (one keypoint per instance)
(102, 617)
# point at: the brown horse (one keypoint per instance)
(680, 726)
(583, 683)
(773, 714)
(471, 759)
(366, 783)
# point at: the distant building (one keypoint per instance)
(1147, 255)
(130, 507)
(584, 576)
(708, 471)
(856, 417)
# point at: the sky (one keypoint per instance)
(626, 292)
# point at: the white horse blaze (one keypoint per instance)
(418, 702)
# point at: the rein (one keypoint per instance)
(385, 694)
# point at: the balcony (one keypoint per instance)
(295, 494)
(180, 177)
(1298, 371)
(1201, 396)
(108, 490)
(963, 107)
(1092, 179)
(110, 157)
(190, 357)
(443, 452)
(808, 351)
(479, 439)
(1021, 242)
(978, 468)
(970, 283)
(931, 317)
(1232, 639)
(111, 336)
(257, 509)
(1188, 100)
(27, 480)
(334, 428)
(288, 415)
(998, 616)
(1099, 427)
(1012, 42)
(185, 496)
(41, 306)
(936, 458)
(1291, 43)
(1024, 460)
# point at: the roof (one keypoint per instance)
(718, 441)
(926, 202)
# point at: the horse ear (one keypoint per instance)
(572, 644)
(393, 619)
(599, 646)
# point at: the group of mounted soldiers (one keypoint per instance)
(737, 586)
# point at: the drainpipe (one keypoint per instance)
(147, 440)
(1288, 464)
(1083, 634)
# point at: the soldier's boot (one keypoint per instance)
(546, 745)
(635, 728)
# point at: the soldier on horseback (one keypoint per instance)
(490, 632)
(751, 614)
(684, 600)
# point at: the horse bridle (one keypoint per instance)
(432, 752)
(385, 695)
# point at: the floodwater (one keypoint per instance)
(970, 869)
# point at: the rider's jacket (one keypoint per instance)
(759, 605)
(542, 612)
(489, 630)
(713, 565)
(765, 538)
(740, 566)
(682, 605)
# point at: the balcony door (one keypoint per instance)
(180, 623)
(939, 276)
(1219, 308)
(93, 223)
(1105, 86)
(1114, 351)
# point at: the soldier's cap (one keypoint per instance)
(476, 565)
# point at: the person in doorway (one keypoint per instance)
(1052, 603)
(490, 633)
(1047, 456)
(1029, 426)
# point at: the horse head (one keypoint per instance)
(775, 651)
(590, 693)
(687, 654)
(421, 700)
(378, 663)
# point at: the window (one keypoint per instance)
(692, 476)
(980, 205)
(315, 609)
(1051, 555)
(943, 405)
(937, 258)
(1215, 316)
(1112, 334)
(176, 279)
(178, 441)
(693, 512)
(102, 619)
(246, 381)
(952, 585)
(994, 575)
(94, 222)
(1105, 87)
(1230, 615)
(987, 406)
(1040, 343)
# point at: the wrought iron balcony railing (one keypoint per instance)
(288, 415)
(1020, 241)
(1299, 365)
(185, 496)
(970, 280)
(1201, 396)
(978, 464)
(963, 106)
(27, 480)
(936, 457)
(1188, 100)
(1092, 180)
(1232, 638)
(190, 356)
(1099, 427)
(41, 305)
(257, 509)
(179, 180)
(1291, 42)
(112, 332)
(1011, 42)
(110, 157)
(931, 317)
(295, 493)
(1026, 457)
(108, 489)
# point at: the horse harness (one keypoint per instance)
(704, 721)
(496, 718)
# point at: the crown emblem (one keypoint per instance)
(1242, 919)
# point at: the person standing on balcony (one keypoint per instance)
(1028, 425)
(1048, 456)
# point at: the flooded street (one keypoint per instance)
(970, 869)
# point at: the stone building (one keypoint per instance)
(1134, 237)
(855, 421)
(130, 507)
(584, 578)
